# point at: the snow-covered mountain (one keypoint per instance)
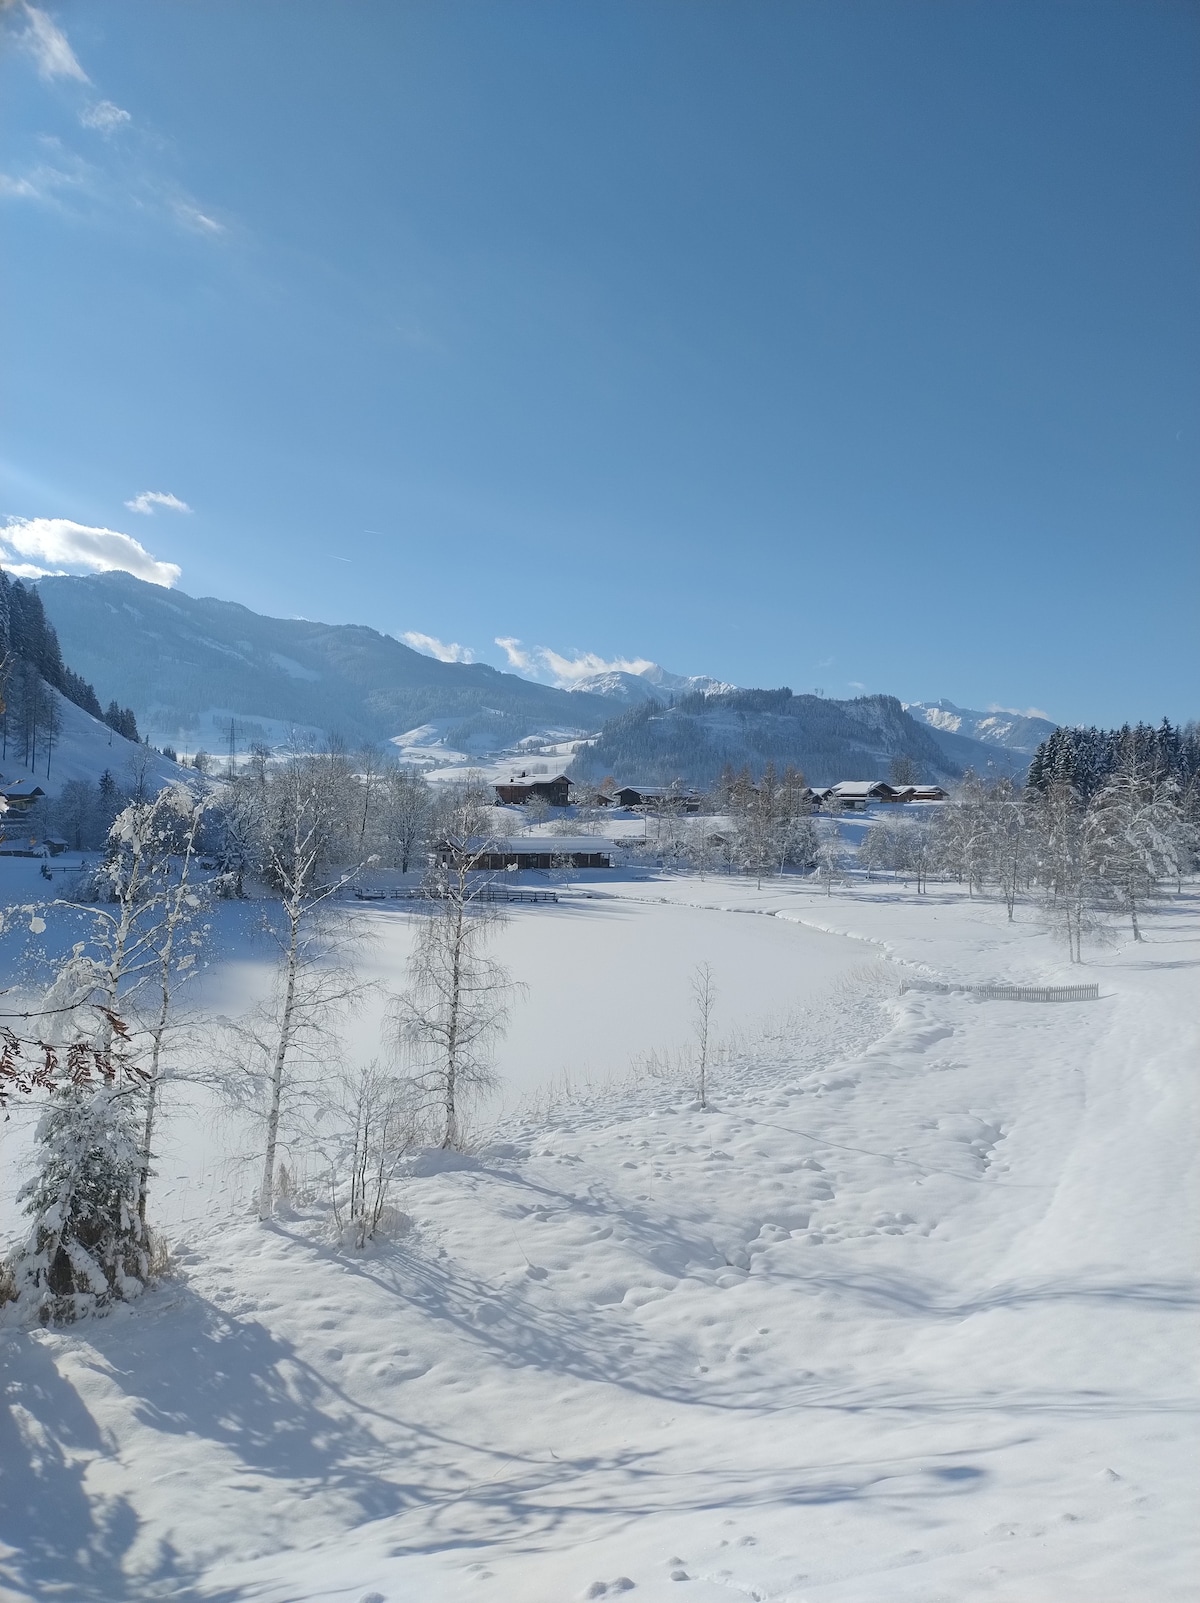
(1015, 731)
(652, 683)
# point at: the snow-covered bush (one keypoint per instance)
(87, 1246)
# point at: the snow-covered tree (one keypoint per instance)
(406, 812)
(87, 1246)
(457, 1001)
(704, 1000)
(142, 941)
(1134, 827)
(1073, 894)
(303, 809)
(365, 1132)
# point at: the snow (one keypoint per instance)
(908, 1313)
(83, 749)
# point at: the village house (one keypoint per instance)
(20, 794)
(648, 796)
(521, 789)
(543, 851)
(920, 793)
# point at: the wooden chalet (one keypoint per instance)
(522, 789)
(542, 851)
(20, 794)
(654, 796)
(856, 794)
(920, 793)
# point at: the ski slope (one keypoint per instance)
(908, 1313)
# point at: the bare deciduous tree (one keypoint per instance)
(457, 1001)
(704, 998)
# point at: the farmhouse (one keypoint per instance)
(20, 794)
(857, 793)
(541, 851)
(920, 793)
(687, 801)
(521, 789)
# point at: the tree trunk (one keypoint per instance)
(267, 1187)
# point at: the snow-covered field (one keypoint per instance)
(908, 1313)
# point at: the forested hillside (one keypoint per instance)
(32, 670)
(828, 740)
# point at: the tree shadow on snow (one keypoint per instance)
(188, 1370)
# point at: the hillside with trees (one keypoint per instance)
(700, 736)
(33, 676)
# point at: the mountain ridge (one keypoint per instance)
(177, 658)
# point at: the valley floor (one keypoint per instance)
(908, 1313)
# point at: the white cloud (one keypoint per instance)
(104, 116)
(18, 188)
(149, 499)
(192, 217)
(517, 658)
(69, 546)
(1021, 712)
(856, 684)
(569, 670)
(48, 45)
(433, 647)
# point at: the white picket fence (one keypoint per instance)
(1010, 993)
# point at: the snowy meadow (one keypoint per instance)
(902, 1307)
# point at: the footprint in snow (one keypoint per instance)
(607, 1588)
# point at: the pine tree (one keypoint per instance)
(87, 1247)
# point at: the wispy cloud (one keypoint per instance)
(568, 671)
(121, 176)
(543, 662)
(192, 217)
(18, 188)
(1021, 712)
(48, 45)
(149, 499)
(518, 658)
(104, 116)
(71, 547)
(431, 646)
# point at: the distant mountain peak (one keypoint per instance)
(998, 726)
(651, 683)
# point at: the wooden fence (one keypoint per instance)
(1010, 993)
(485, 893)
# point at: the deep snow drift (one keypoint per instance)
(908, 1313)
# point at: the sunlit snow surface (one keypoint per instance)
(908, 1314)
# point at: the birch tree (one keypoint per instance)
(704, 999)
(457, 1002)
(303, 810)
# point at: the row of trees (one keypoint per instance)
(110, 1031)
(1084, 759)
(1085, 858)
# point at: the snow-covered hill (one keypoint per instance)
(84, 749)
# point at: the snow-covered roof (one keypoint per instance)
(656, 790)
(860, 787)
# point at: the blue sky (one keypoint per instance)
(842, 345)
